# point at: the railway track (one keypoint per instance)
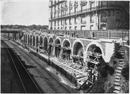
(26, 80)
(54, 83)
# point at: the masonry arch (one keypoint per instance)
(78, 52)
(66, 49)
(93, 48)
(66, 41)
(57, 47)
(94, 55)
(45, 43)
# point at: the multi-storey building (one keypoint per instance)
(87, 15)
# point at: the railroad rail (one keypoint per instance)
(28, 83)
(78, 88)
(54, 83)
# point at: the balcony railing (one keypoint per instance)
(105, 34)
(90, 10)
(56, 3)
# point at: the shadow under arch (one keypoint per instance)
(66, 49)
(78, 52)
(57, 47)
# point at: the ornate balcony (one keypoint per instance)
(98, 8)
(56, 3)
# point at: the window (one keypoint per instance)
(51, 28)
(55, 1)
(70, 28)
(109, 13)
(118, 12)
(118, 20)
(58, 22)
(61, 22)
(103, 26)
(103, 14)
(51, 23)
(91, 27)
(83, 19)
(70, 21)
(65, 22)
(103, 17)
(54, 12)
(55, 23)
(51, 15)
(66, 7)
(51, 1)
(103, 3)
(83, 27)
(92, 3)
(75, 27)
(75, 10)
(91, 19)
(75, 6)
(75, 20)
(70, 6)
(83, 3)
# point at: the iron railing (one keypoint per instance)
(106, 34)
(97, 8)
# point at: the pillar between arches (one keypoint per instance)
(53, 50)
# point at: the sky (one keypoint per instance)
(24, 12)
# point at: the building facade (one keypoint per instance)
(87, 15)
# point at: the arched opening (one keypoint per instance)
(66, 50)
(78, 53)
(28, 40)
(50, 46)
(93, 53)
(33, 40)
(45, 43)
(57, 47)
(94, 57)
(37, 42)
(51, 40)
(41, 42)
